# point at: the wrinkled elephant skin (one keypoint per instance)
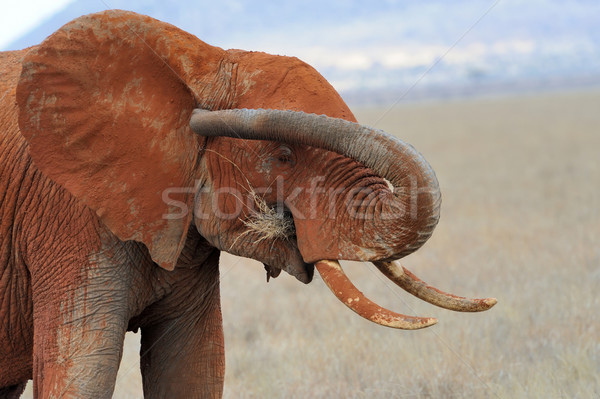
(116, 198)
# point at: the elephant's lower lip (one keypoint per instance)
(310, 272)
(304, 274)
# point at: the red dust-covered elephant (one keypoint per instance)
(132, 153)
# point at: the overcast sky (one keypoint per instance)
(380, 44)
(19, 16)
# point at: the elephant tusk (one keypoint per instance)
(345, 291)
(412, 284)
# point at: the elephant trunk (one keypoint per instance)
(404, 220)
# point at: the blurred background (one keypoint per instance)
(374, 52)
(503, 99)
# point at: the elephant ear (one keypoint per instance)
(105, 104)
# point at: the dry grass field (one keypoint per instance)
(520, 180)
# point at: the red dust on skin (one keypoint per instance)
(110, 128)
(96, 144)
(103, 110)
(16, 347)
(106, 115)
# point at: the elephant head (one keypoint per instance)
(159, 132)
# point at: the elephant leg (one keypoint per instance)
(80, 319)
(12, 392)
(184, 357)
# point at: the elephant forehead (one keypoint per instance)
(280, 82)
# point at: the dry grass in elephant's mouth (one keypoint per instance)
(268, 222)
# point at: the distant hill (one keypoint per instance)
(389, 46)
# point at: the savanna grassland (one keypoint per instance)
(520, 180)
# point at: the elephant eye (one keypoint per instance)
(285, 155)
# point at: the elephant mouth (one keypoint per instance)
(303, 272)
(297, 267)
(415, 200)
(275, 222)
(340, 285)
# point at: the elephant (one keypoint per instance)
(133, 153)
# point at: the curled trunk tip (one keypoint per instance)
(416, 198)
